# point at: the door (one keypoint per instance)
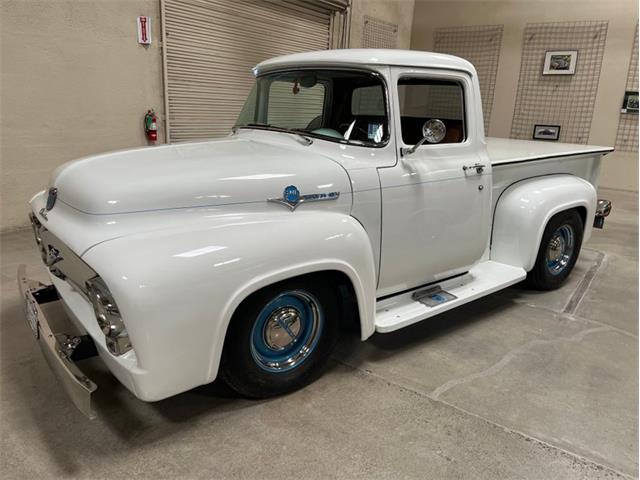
(435, 204)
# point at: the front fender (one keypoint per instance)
(178, 288)
(524, 209)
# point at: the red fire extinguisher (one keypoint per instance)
(151, 126)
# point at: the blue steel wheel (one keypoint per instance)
(286, 331)
(560, 249)
(281, 337)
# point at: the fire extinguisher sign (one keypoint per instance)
(144, 30)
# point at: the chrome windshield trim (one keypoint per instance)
(387, 103)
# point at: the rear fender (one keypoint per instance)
(524, 209)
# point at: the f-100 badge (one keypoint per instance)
(291, 197)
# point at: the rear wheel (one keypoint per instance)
(280, 338)
(559, 249)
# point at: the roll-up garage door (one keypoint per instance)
(211, 46)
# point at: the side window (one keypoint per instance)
(294, 106)
(431, 108)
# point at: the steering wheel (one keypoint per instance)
(345, 127)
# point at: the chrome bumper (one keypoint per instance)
(59, 350)
(603, 209)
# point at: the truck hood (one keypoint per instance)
(219, 172)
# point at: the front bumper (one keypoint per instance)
(59, 350)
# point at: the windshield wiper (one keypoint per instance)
(266, 126)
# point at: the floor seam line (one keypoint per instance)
(604, 324)
(581, 290)
(510, 355)
(490, 422)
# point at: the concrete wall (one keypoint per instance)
(620, 169)
(74, 82)
(399, 12)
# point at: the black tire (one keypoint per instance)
(254, 375)
(550, 273)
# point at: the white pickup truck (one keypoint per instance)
(357, 185)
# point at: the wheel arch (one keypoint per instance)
(338, 280)
(525, 208)
(340, 270)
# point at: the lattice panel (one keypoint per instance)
(627, 137)
(481, 46)
(565, 100)
(379, 34)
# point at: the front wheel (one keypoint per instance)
(280, 338)
(559, 249)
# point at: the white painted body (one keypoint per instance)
(182, 234)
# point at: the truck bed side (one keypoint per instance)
(516, 160)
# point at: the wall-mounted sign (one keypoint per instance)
(144, 30)
(546, 132)
(560, 62)
(630, 102)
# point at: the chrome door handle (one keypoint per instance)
(478, 166)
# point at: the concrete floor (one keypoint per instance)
(516, 385)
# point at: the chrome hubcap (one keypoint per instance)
(282, 328)
(286, 331)
(560, 249)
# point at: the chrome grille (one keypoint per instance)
(60, 259)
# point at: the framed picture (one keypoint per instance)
(630, 102)
(546, 132)
(560, 62)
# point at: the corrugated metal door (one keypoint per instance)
(211, 46)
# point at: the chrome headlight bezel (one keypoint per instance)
(108, 316)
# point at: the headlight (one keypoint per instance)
(108, 316)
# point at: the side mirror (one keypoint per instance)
(433, 131)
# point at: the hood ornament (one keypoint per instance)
(291, 197)
(51, 201)
(51, 198)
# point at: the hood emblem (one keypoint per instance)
(291, 197)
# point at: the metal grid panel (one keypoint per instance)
(627, 137)
(480, 44)
(565, 100)
(379, 34)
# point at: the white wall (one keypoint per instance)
(74, 82)
(399, 12)
(620, 169)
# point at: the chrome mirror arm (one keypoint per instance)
(409, 150)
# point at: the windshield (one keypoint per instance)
(340, 106)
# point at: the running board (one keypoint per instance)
(410, 307)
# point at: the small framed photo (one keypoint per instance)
(630, 102)
(546, 132)
(560, 62)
